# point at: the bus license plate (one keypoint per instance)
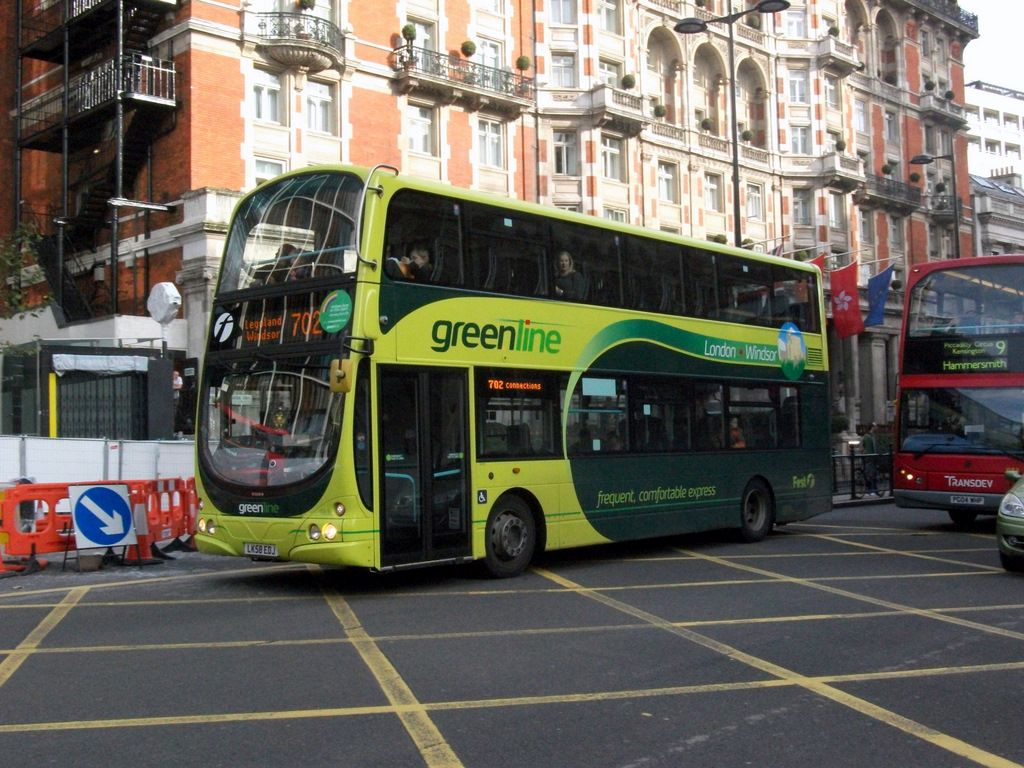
(260, 550)
(971, 500)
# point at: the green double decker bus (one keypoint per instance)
(402, 373)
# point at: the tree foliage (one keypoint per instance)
(17, 252)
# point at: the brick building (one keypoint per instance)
(140, 122)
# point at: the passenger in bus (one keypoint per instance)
(569, 284)
(281, 268)
(414, 266)
(736, 438)
(302, 267)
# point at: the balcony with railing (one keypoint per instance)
(143, 79)
(833, 53)
(950, 11)
(842, 171)
(450, 79)
(300, 41)
(942, 110)
(884, 192)
(944, 207)
(42, 24)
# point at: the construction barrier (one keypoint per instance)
(36, 519)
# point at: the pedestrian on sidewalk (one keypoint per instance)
(869, 448)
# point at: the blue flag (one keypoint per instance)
(878, 291)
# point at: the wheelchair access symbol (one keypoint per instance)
(102, 516)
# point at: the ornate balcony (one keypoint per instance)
(300, 41)
(843, 172)
(618, 110)
(451, 79)
(941, 208)
(833, 53)
(942, 111)
(883, 192)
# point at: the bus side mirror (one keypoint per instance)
(341, 375)
(1013, 475)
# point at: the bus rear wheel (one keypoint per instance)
(756, 513)
(511, 538)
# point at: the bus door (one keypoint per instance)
(424, 438)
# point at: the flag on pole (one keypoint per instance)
(780, 249)
(819, 262)
(846, 301)
(878, 291)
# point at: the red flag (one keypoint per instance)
(819, 262)
(846, 301)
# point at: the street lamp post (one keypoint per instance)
(692, 26)
(928, 160)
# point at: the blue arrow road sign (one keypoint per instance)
(102, 516)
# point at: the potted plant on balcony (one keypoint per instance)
(627, 82)
(523, 63)
(840, 145)
(747, 135)
(754, 20)
(468, 48)
(886, 169)
(660, 110)
(914, 177)
(307, 5)
(940, 188)
(950, 95)
(706, 123)
(929, 85)
(833, 31)
(409, 34)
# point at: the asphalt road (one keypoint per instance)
(870, 636)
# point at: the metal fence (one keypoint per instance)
(858, 475)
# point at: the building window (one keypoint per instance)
(755, 202)
(425, 35)
(926, 43)
(609, 73)
(268, 169)
(867, 230)
(895, 232)
(491, 150)
(608, 11)
(563, 11)
(611, 158)
(266, 92)
(802, 207)
(860, 116)
(615, 214)
(421, 130)
(668, 182)
(565, 153)
(796, 24)
(836, 210)
(563, 70)
(494, 6)
(798, 86)
(832, 91)
(318, 106)
(713, 193)
(489, 53)
(892, 126)
(800, 140)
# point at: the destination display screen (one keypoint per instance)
(294, 319)
(964, 354)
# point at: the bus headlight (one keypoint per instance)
(1011, 506)
(314, 532)
(201, 525)
(330, 531)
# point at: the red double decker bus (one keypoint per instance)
(960, 415)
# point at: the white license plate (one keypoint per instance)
(260, 550)
(973, 500)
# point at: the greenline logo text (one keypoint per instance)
(518, 336)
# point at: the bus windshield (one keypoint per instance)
(298, 228)
(962, 420)
(968, 301)
(270, 424)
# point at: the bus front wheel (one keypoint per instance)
(756, 513)
(511, 538)
(962, 519)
